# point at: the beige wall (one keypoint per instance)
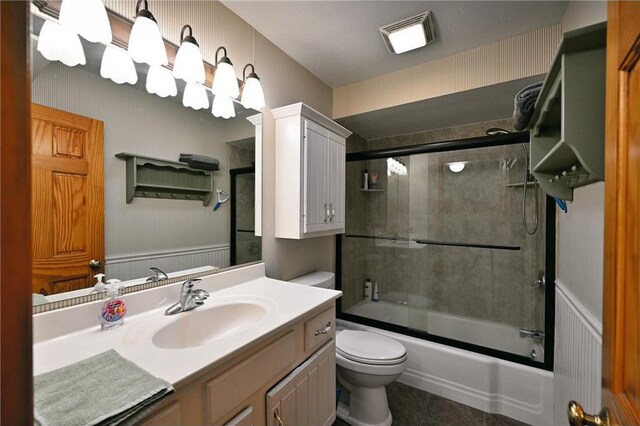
(583, 13)
(284, 81)
(516, 57)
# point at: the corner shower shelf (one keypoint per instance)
(436, 243)
(567, 126)
(149, 177)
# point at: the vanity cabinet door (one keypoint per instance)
(306, 397)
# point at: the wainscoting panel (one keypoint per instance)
(136, 265)
(578, 355)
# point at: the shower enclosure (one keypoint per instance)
(440, 232)
(244, 245)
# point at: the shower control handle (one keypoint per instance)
(577, 416)
(326, 330)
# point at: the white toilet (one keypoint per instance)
(366, 362)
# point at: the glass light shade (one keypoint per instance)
(188, 65)
(87, 18)
(224, 81)
(408, 38)
(195, 96)
(223, 107)
(57, 43)
(146, 44)
(252, 94)
(117, 66)
(160, 82)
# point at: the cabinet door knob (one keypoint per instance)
(276, 414)
(332, 212)
(94, 264)
(325, 331)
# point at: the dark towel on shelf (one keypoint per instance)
(105, 389)
(524, 104)
(200, 162)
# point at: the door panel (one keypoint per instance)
(621, 348)
(315, 159)
(67, 199)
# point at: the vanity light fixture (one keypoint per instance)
(87, 18)
(145, 41)
(252, 94)
(223, 107)
(457, 166)
(118, 66)
(409, 34)
(59, 43)
(160, 82)
(188, 65)
(224, 79)
(195, 96)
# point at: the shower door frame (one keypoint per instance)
(549, 266)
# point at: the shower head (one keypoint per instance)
(496, 131)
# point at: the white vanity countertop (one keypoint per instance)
(285, 303)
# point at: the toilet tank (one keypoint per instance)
(320, 279)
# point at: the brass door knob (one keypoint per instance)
(577, 416)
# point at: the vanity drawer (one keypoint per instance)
(319, 329)
(167, 416)
(242, 419)
(225, 392)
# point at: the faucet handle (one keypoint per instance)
(188, 285)
(159, 275)
(202, 294)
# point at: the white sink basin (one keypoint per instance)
(206, 325)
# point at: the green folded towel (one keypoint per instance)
(105, 389)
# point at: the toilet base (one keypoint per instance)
(374, 413)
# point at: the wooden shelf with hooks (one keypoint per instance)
(150, 177)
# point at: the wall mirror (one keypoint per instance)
(109, 194)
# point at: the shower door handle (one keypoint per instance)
(577, 416)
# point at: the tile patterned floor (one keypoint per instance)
(414, 407)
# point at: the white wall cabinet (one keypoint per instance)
(310, 173)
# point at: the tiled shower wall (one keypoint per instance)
(431, 202)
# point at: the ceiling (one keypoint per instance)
(338, 41)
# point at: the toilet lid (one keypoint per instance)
(369, 348)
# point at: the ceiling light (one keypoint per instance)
(117, 66)
(145, 42)
(252, 94)
(160, 82)
(195, 96)
(58, 43)
(224, 80)
(188, 65)
(223, 107)
(456, 167)
(409, 34)
(87, 18)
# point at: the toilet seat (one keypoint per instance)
(370, 348)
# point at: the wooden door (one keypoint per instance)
(67, 199)
(621, 320)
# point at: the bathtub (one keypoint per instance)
(489, 384)
(478, 332)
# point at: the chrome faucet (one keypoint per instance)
(189, 298)
(158, 275)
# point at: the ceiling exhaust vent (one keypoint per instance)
(409, 34)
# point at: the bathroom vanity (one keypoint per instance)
(259, 351)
